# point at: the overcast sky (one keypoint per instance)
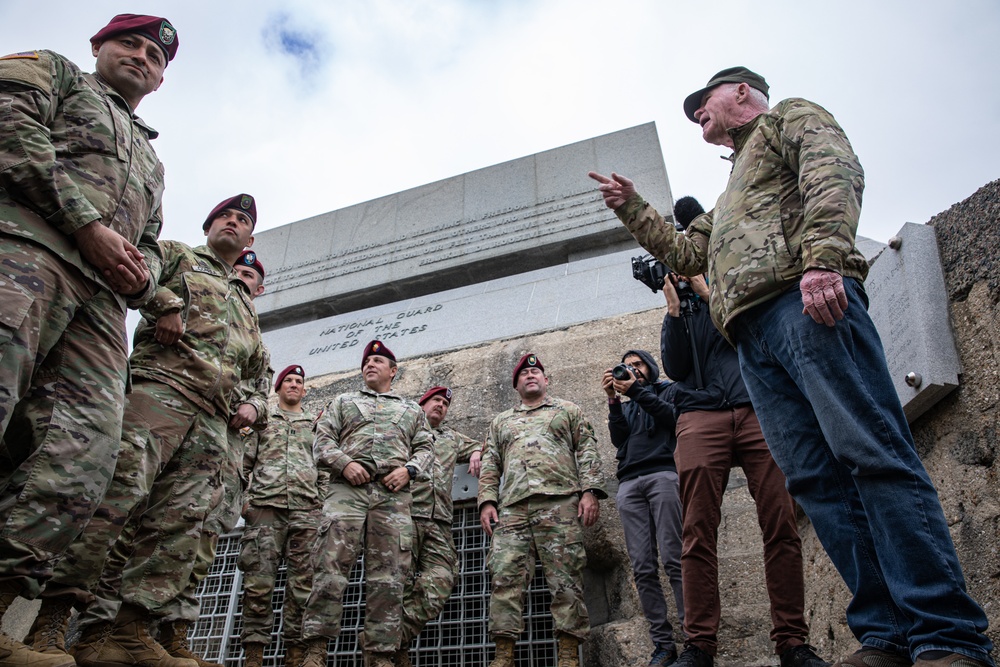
(315, 105)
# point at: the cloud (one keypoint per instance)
(307, 48)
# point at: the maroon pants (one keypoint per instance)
(709, 443)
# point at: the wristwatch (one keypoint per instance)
(411, 471)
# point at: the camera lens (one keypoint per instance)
(621, 373)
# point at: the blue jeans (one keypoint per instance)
(833, 421)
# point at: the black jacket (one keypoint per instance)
(723, 386)
(642, 429)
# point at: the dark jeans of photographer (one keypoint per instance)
(716, 430)
(650, 510)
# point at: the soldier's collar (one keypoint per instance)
(109, 91)
(521, 407)
(740, 134)
(372, 392)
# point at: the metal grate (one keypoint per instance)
(460, 636)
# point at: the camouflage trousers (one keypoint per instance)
(168, 477)
(63, 372)
(222, 519)
(273, 533)
(432, 576)
(352, 515)
(546, 527)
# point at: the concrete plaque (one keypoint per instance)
(526, 214)
(581, 290)
(909, 305)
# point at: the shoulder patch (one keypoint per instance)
(29, 68)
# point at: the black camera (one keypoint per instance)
(653, 273)
(624, 372)
(650, 271)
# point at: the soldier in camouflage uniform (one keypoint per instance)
(198, 339)
(373, 443)
(80, 193)
(181, 612)
(539, 486)
(435, 559)
(787, 290)
(281, 520)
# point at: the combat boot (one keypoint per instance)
(569, 651)
(401, 658)
(253, 655)
(372, 659)
(130, 644)
(88, 647)
(315, 655)
(505, 652)
(15, 654)
(48, 632)
(173, 637)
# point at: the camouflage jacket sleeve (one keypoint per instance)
(422, 445)
(492, 466)
(588, 458)
(164, 300)
(830, 180)
(153, 256)
(31, 91)
(257, 382)
(684, 253)
(466, 447)
(251, 452)
(255, 392)
(326, 446)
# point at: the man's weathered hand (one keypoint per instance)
(823, 296)
(355, 474)
(475, 463)
(397, 479)
(589, 509)
(245, 416)
(487, 517)
(169, 328)
(119, 261)
(616, 190)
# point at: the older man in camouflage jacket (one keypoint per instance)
(374, 443)
(199, 338)
(540, 480)
(80, 193)
(787, 289)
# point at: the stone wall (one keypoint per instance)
(957, 439)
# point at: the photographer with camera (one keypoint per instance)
(716, 430)
(648, 498)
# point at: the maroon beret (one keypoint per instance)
(242, 202)
(294, 369)
(434, 391)
(156, 28)
(527, 360)
(249, 258)
(379, 348)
